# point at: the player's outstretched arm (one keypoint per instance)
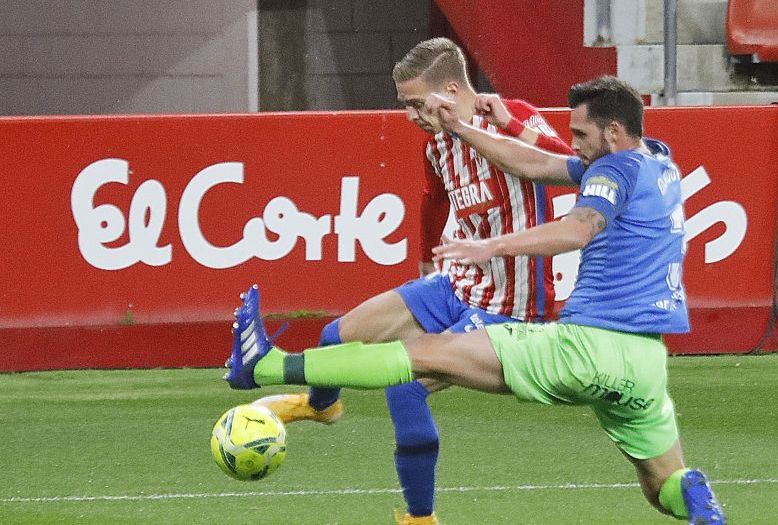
(508, 154)
(573, 232)
(491, 106)
(499, 114)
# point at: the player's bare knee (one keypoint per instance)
(348, 330)
(425, 354)
(362, 325)
(382, 318)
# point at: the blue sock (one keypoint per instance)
(321, 398)
(417, 445)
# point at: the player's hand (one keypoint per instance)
(491, 106)
(466, 251)
(445, 111)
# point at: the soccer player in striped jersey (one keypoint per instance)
(487, 202)
(606, 351)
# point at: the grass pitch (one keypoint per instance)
(131, 447)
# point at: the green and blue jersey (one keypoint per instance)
(630, 277)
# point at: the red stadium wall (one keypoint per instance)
(125, 240)
(522, 61)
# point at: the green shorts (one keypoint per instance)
(621, 376)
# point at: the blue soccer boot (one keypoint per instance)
(249, 342)
(700, 502)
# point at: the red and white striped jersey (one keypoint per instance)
(488, 202)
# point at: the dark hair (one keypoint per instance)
(608, 99)
(436, 60)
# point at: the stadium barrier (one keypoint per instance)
(125, 240)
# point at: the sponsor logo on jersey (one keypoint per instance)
(600, 186)
(476, 323)
(474, 198)
(670, 305)
(616, 391)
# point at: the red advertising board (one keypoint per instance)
(164, 219)
(124, 236)
(729, 158)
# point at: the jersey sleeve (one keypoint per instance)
(434, 208)
(575, 169)
(606, 187)
(529, 116)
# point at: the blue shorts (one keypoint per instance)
(433, 303)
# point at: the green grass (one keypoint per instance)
(142, 436)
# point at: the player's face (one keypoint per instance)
(412, 94)
(588, 138)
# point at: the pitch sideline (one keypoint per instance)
(342, 492)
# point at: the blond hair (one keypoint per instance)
(436, 61)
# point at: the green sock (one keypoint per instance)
(358, 365)
(354, 365)
(270, 369)
(671, 497)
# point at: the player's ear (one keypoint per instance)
(452, 88)
(613, 131)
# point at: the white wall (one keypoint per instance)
(194, 56)
(127, 56)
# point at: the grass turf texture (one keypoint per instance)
(126, 447)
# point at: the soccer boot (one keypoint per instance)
(700, 502)
(295, 407)
(403, 518)
(250, 299)
(249, 342)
